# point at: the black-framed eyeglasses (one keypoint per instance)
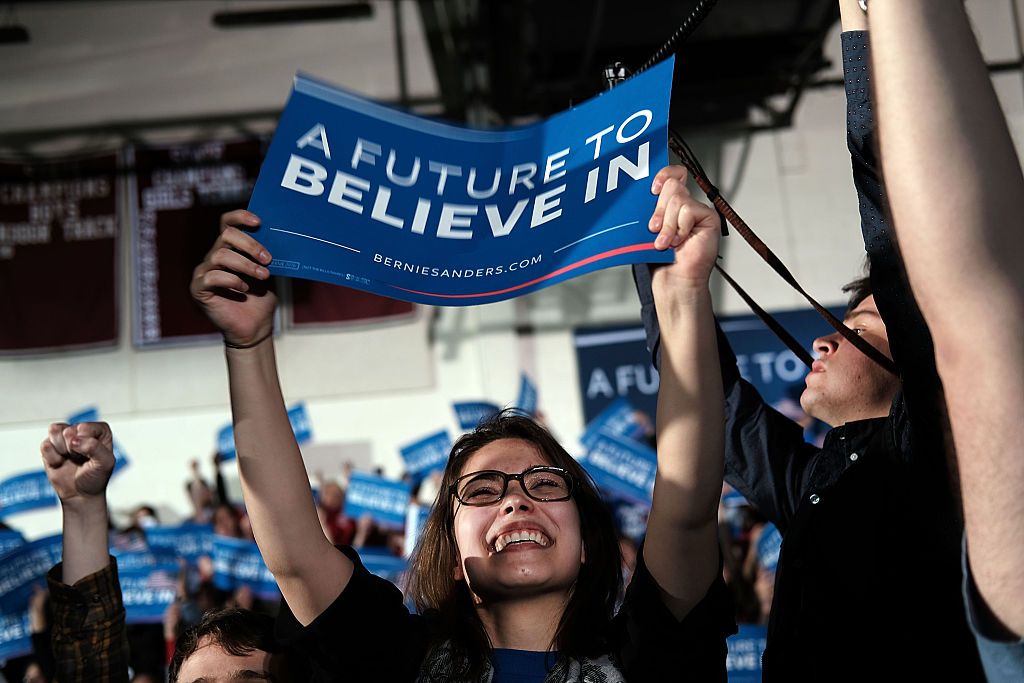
(488, 487)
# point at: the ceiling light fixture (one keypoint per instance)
(292, 15)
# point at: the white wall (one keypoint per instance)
(96, 62)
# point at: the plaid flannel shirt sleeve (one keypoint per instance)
(89, 638)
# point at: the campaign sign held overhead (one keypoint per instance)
(190, 541)
(384, 500)
(769, 545)
(471, 413)
(147, 592)
(746, 648)
(366, 196)
(428, 454)
(298, 418)
(237, 562)
(23, 566)
(9, 540)
(23, 492)
(15, 634)
(622, 467)
(527, 401)
(619, 419)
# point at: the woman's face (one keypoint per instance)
(551, 563)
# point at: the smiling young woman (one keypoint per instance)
(518, 572)
(459, 571)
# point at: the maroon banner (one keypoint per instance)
(59, 225)
(180, 193)
(315, 304)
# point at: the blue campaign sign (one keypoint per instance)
(415, 522)
(226, 442)
(92, 414)
(471, 413)
(613, 363)
(746, 648)
(302, 427)
(362, 195)
(384, 500)
(15, 634)
(618, 419)
(381, 562)
(22, 567)
(148, 591)
(190, 541)
(9, 540)
(622, 467)
(237, 562)
(141, 560)
(769, 544)
(23, 492)
(734, 499)
(527, 401)
(630, 517)
(428, 454)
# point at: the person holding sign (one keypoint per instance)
(868, 577)
(519, 567)
(957, 196)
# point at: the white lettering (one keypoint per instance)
(544, 206)
(639, 170)
(456, 216)
(316, 137)
(365, 151)
(403, 181)
(646, 113)
(380, 210)
(597, 137)
(526, 182)
(310, 173)
(555, 162)
(346, 190)
(499, 228)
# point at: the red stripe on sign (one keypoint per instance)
(572, 266)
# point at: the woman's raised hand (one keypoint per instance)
(686, 225)
(231, 283)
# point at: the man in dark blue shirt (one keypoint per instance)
(868, 580)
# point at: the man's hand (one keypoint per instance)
(79, 460)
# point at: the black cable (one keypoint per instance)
(685, 30)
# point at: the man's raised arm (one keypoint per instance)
(957, 197)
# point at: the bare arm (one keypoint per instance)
(957, 195)
(230, 286)
(681, 549)
(79, 460)
(852, 16)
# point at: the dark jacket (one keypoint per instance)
(868, 580)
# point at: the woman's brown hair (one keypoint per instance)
(583, 628)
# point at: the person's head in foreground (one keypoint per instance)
(845, 385)
(231, 645)
(518, 525)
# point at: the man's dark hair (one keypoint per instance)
(858, 290)
(237, 631)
